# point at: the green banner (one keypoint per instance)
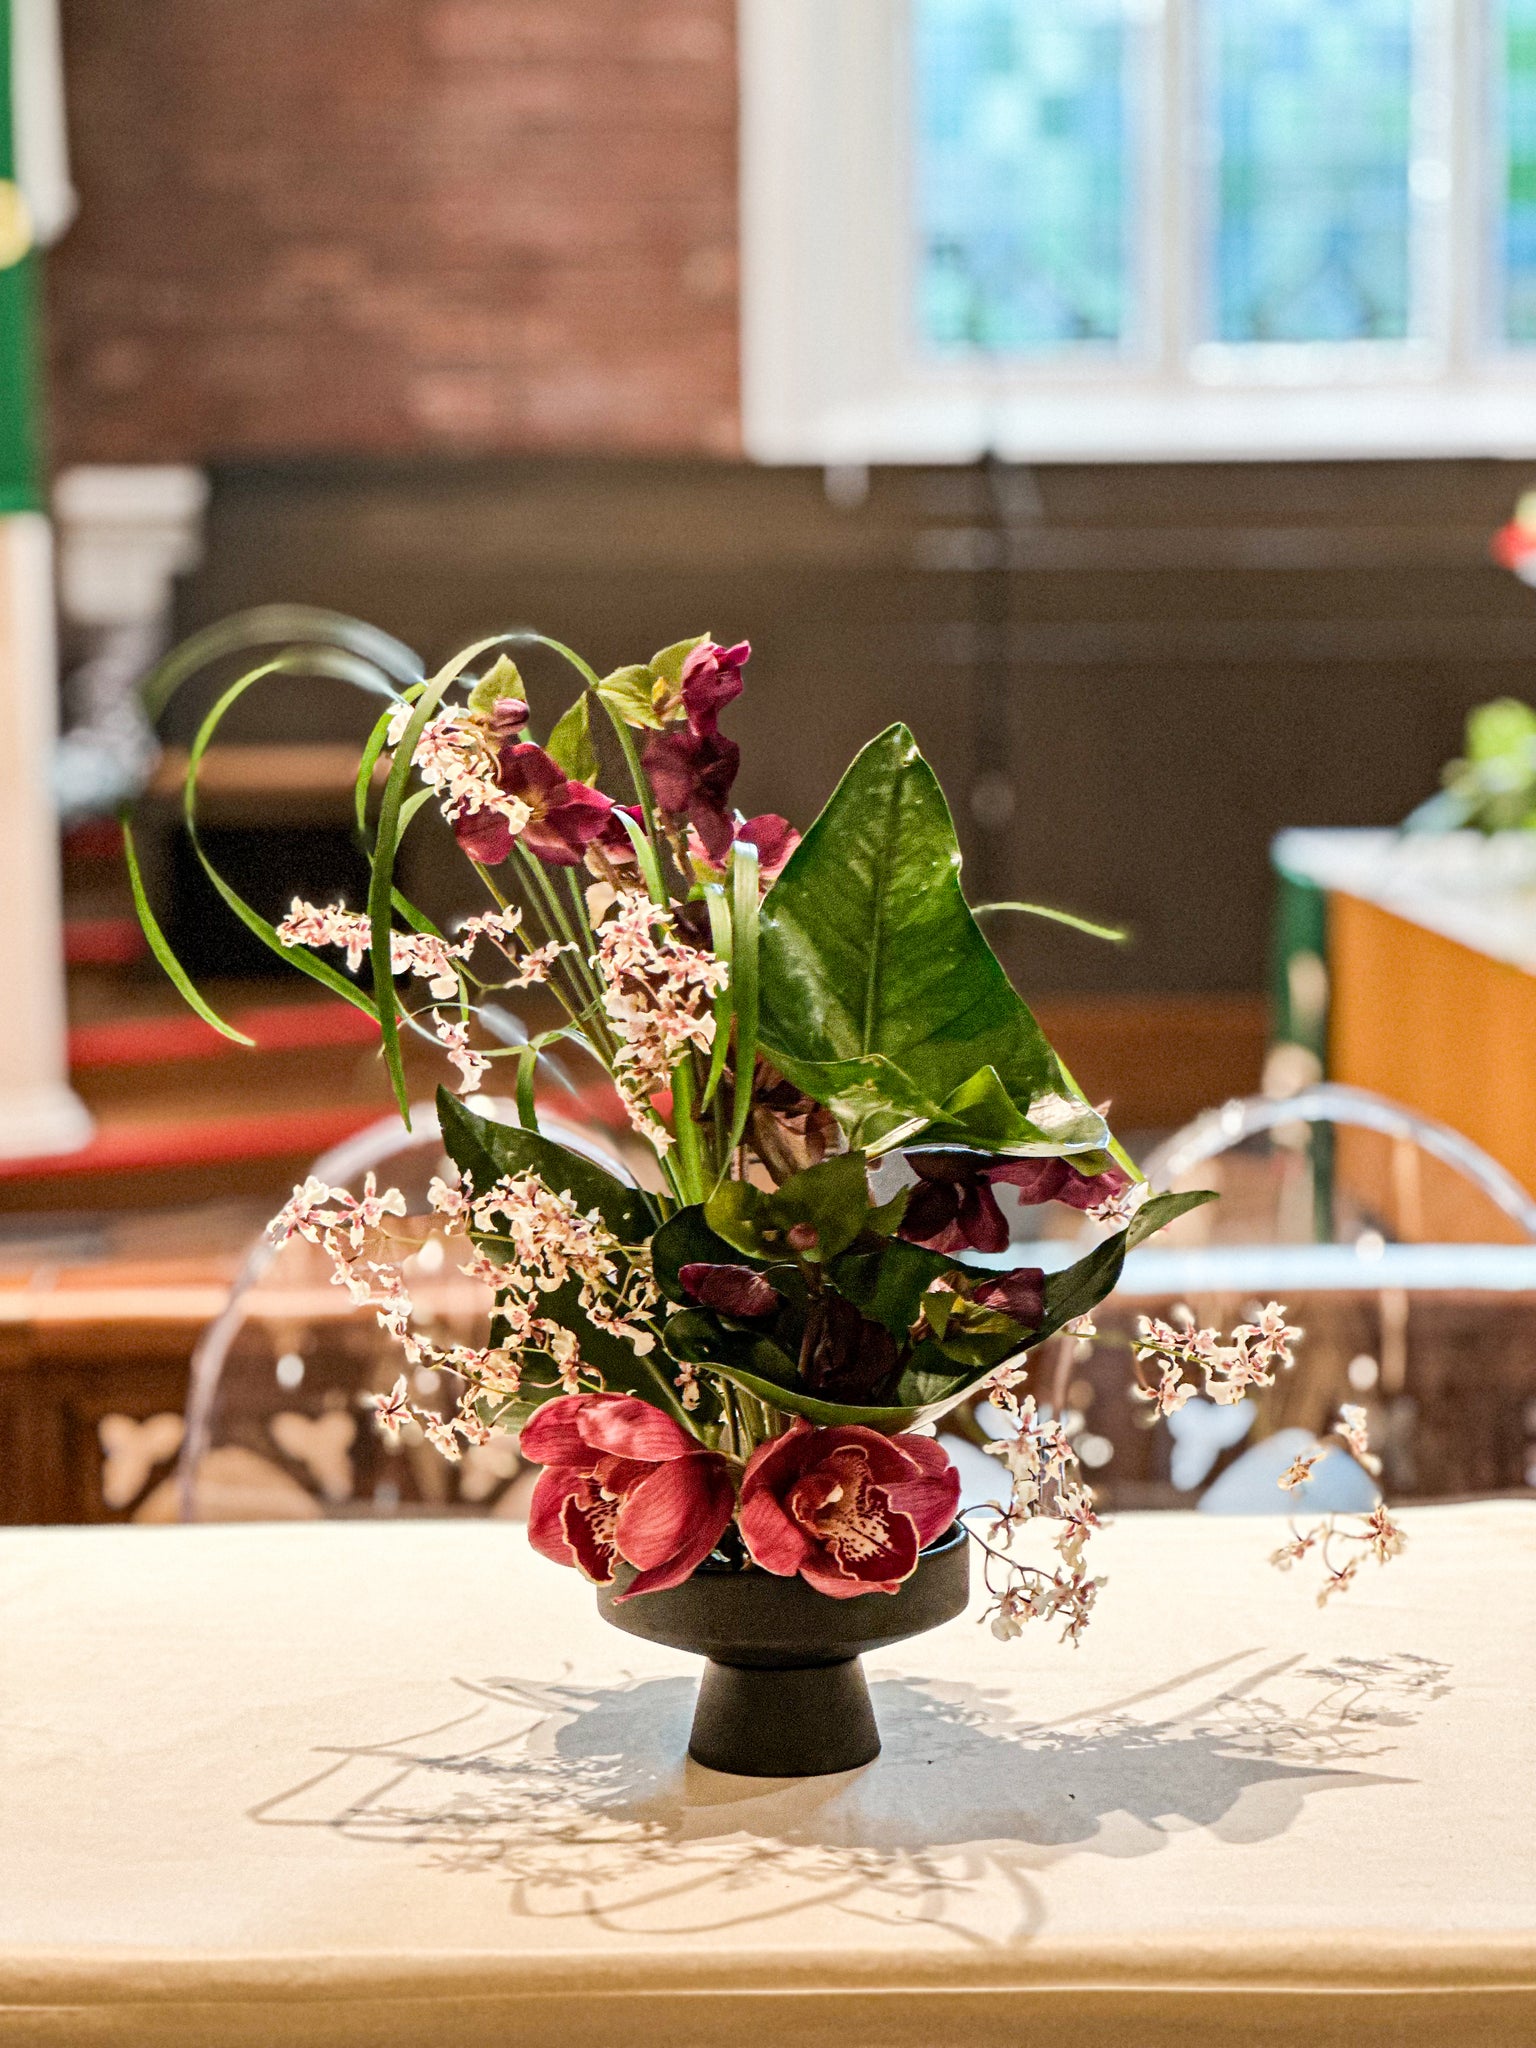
(20, 467)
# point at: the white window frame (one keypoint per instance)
(832, 368)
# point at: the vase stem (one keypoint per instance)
(805, 1722)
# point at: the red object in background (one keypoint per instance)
(146, 1041)
(103, 942)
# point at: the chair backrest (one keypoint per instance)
(278, 1421)
(1405, 1253)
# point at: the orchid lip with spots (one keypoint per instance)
(733, 1347)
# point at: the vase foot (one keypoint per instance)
(801, 1723)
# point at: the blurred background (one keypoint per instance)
(1123, 392)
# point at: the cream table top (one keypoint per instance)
(362, 1784)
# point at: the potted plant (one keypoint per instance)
(729, 1366)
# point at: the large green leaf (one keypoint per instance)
(870, 955)
(485, 1150)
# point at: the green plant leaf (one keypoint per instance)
(502, 679)
(629, 693)
(685, 1239)
(570, 744)
(926, 1390)
(668, 664)
(381, 662)
(869, 949)
(832, 1199)
(160, 946)
(486, 1150)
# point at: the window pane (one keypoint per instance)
(1023, 171)
(1311, 114)
(1518, 49)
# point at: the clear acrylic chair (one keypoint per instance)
(279, 1412)
(1404, 1252)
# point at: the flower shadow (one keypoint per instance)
(583, 1800)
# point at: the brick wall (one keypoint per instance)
(397, 226)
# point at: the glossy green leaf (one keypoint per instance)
(746, 981)
(160, 946)
(501, 679)
(570, 744)
(870, 951)
(485, 1150)
(629, 693)
(668, 664)
(831, 1199)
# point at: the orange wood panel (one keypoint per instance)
(1435, 1025)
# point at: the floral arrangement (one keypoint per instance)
(824, 1062)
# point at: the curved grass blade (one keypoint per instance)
(296, 956)
(720, 932)
(388, 662)
(744, 983)
(159, 945)
(1114, 933)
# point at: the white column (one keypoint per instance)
(39, 1113)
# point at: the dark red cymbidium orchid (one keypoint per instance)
(953, 1208)
(622, 1480)
(848, 1509)
(617, 846)
(565, 816)
(731, 1290)
(693, 771)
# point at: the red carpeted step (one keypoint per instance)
(148, 1041)
(103, 942)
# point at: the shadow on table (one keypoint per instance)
(583, 1798)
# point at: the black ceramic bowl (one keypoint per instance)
(783, 1693)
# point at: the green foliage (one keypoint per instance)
(501, 679)
(957, 1345)
(830, 1202)
(1493, 788)
(668, 664)
(630, 694)
(570, 746)
(879, 994)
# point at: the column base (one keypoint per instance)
(36, 1123)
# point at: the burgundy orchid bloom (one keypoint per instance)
(1058, 1180)
(566, 816)
(848, 1509)
(774, 837)
(692, 772)
(711, 679)
(692, 775)
(1019, 1293)
(953, 1208)
(731, 1290)
(622, 1480)
(615, 842)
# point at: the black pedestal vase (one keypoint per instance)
(783, 1692)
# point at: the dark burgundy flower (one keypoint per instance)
(1019, 1293)
(692, 774)
(566, 816)
(1058, 1180)
(774, 837)
(505, 719)
(615, 842)
(848, 1509)
(710, 680)
(844, 1355)
(622, 1480)
(733, 1290)
(953, 1208)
